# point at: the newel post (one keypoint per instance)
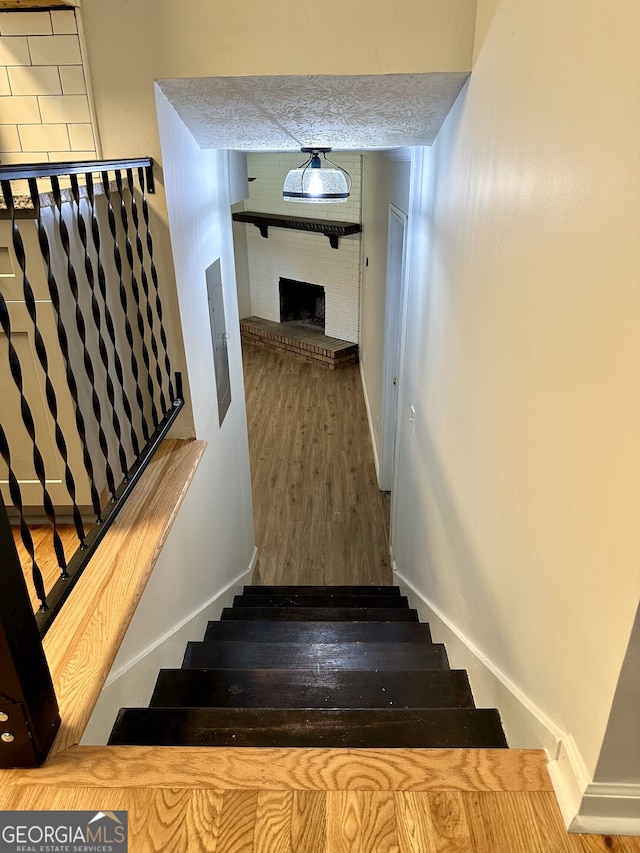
(29, 717)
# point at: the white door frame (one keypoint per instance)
(418, 176)
(393, 333)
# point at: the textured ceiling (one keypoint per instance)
(289, 113)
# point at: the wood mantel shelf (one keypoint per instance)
(329, 227)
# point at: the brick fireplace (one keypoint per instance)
(307, 258)
(304, 257)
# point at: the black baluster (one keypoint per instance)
(25, 533)
(154, 279)
(71, 380)
(49, 389)
(108, 320)
(123, 301)
(82, 334)
(124, 217)
(16, 371)
(145, 287)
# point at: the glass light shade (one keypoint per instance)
(316, 186)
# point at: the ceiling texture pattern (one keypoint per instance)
(288, 113)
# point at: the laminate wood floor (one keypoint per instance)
(319, 515)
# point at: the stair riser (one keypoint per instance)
(369, 601)
(285, 689)
(319, 632)
(321, 590)
(320, 656)
(336, 729)
(321, 614)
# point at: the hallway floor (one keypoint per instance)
(319, 515)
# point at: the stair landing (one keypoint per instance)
(312, 800)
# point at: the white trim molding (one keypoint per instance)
(609, 809)
(372, 435)
(569, 777)
(526, 725)
(586, 806)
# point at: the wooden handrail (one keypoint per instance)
(82, 644)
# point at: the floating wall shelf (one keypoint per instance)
(329, 227)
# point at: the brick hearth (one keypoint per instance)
(299, 340)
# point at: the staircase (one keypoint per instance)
(306, 666)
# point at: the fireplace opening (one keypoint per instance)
(302, 302)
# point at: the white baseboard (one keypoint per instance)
(590, 807)
(526, 726)
(209, 611)
(569, 777)
(609, 809)
(376, 461)
(585, 806)
(132, 684)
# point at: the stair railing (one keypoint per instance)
(87, 390)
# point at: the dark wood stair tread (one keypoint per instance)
(292, 600)
(306, 589)
(322, 614)
(383, 656)
(432, 728)
(318, 632)
(274, 688)
(313, 666)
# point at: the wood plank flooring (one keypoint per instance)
(312, 801)
(319, 515)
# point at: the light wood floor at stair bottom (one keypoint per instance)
(313, 801)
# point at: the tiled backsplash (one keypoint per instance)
(44, 104)
(301, 255)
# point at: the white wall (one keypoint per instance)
(620, 756)
(385, 181)
(519, 489)
(196, 185)
(210, 549)
(617, 776)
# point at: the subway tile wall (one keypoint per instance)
(44, 103)
(300, 255)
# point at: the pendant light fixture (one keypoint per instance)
(312, 184)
